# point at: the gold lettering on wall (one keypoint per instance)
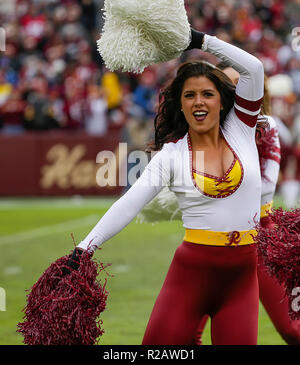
(67, 169)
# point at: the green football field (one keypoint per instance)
(35, 232)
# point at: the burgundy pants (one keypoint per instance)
(218, 281)
(272, 296)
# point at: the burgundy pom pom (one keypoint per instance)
(64, 310)
(267, 147)
(278, 246)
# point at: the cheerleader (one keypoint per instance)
(203, 117)
(272, 295)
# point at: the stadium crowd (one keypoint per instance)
(52, 76)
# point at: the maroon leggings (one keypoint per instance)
(218, 281)
(272, 296)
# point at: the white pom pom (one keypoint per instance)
(164, 207)
(138, 33)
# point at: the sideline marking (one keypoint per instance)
(48, 230)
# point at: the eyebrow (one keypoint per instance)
(188, 91)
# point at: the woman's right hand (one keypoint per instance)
(196, 39)
(74, 261)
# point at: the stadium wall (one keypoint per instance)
(54, 164)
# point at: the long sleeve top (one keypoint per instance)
(172, 165)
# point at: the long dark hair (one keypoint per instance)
(170, 123)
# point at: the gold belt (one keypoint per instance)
(212, 238)
(265, 209)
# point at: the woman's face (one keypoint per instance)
(201, 104)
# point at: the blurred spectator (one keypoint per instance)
(33, 22)
(86, 69)
(5, 88)
(292, 12)
(294, 72)
(145, 94)
(57, 107)
(96, 117)
(10, 64)
(112, 87)
(38, 112)
(74, 96)
(12, 113)
(88, 14)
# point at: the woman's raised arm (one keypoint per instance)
(250, 88)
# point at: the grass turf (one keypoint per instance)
(35, 232)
